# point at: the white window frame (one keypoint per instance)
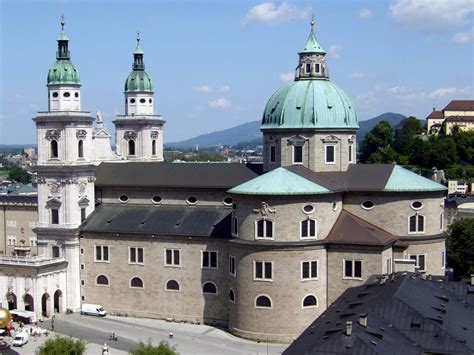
(270, 153)
(11, 240)
(443, 260)
(102, 246)
(11, 223)
(310, 269)
(441, 221)
(169, 290)
(209, 258)
(351, 153)
(293, 154)
(265, 229)
(304, 297)
(135, 287)
(309, 229)
(263, 278)
(99, 285)
(317, 65)
(389, 265)
(231, 289)
(33, 238)
(344, 277)
(232, 262)
(136, 262)
(173, 261)
(417, 261)
(326, 151)
(417, 227)
(260, 307)
(235, 226)
(209, 293)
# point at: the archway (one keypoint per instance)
(45, 304)
(58, 301)
(11, 299)
(29, 302)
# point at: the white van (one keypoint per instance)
(93, 310)
(20, 339)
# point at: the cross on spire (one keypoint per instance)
(138, 38)
(62, 22)
(312, 22)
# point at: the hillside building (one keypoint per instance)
(262, 249)
(458, 113)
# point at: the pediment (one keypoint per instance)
(53, 203)
(331, 139)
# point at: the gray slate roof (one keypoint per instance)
(19, 199)
(199, 221)
(162, 174)
(406, 315)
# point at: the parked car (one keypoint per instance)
(93, 310)
(20, 339)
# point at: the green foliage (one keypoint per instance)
(376, 141)
(164, 348)
(202, 156)
(404, 138)
(460, 248)
(61, 345)
(16, 173)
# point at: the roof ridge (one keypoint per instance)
(370, 223)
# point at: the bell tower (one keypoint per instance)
(139, 133)
(65, 169)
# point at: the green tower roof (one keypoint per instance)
(402, 179)
(138, 80)
(312, 45)
(63, 71)
(279, 181)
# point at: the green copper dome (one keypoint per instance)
(138, 80)
(63, 72)
(314, 103)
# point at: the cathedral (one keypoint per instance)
(261, 249)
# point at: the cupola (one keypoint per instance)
(312, 63)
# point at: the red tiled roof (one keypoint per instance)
(460, 119)
(435, 115)
(460, 105)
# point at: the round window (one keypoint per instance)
(55, 94)
(334, 206)
(308, 208)
(132, 101)
(123, 198)
(228, 201)
(417, 205)
(67, 94)
(142, 101)
(156, 199)
(367, 205)
(76, 94)
(192, 200)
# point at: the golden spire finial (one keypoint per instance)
(62, 21)
(312, 21)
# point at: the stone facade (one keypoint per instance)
(17, 221)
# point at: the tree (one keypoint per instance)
(380, 137)
(460, 248)
(16, 173)
(61, 345)
(404, 138)
(163, 348)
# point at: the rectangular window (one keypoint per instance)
(330, 157)
(55, 251)
(297, 154)
(264, 229)
(83, 214)
(232, 269)
(309, 270)
(350, 153)
(441, 221)
(33, 240)
(308, 68)
(443, 259)
(235, 226)
(263, 270)
(54, 216)
(420, 261)
(101, 253)
(209, 259)
(136, 255)
(11, 240)
(308, 228)
(389, 266)
(352, 269)
(316, 68)
(172, 257)
(272, 154)
(11, 223)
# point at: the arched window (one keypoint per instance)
(209, 287)
(80, 148)
(308, 228)
(54, 148)
(416, 223)
(136, 282)
(102, 280)
(263, 302)
(131, 147)
(172, 285)
(310, 301)
(232, 296)
(153, 147)
(264, 229)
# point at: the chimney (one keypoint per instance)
(363, 320)
(348, 328)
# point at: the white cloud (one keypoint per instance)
(335, 51)
(203, 88)
(357, 75)
(287, 77)
(220, 104)
(464, 37)
(208, 89)
(365, 13)
(452, 92)
(223, 88)
(270, 13)
(431, 15)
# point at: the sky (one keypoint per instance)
(214, 64)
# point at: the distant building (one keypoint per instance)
(457, 208)
(457, 113)
(457, 187)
